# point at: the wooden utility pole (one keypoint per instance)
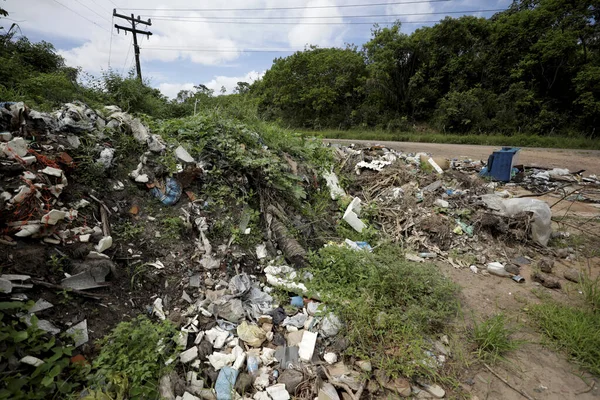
(134, 31)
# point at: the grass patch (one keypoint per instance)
(576, 330)
(389, 305)
(493, 340)
(521, 140)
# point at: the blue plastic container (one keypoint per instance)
(500, 163)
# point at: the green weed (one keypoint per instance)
(388, 304)
(493, 338)
(132, 359)
(590, 288)
(128, 230)
(57, 377)
(574, 330)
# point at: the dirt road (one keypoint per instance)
(574, 160)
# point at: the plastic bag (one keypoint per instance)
(541, 228)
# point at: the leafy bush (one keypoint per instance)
(132, 359)
(57, 376)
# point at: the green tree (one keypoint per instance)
(314, 88)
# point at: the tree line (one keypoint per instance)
(533, 68)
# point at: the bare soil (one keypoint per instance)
(536, 369)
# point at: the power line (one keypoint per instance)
(302, 23)
(82, 16)
(192, 18)
(126, 57)
(92, 10)
(113, 3)
(286, 8)
(100, 7)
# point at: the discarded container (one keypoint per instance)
(501, 162)
(518, 279)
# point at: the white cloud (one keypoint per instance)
(171, 89)
(229, 82)
(89, 44)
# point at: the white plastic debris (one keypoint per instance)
(79, 333)
(52, 171)
(473, 269)
(157, 264)
(189, 355)
(441, 203)
(261, 251)
(307, 346)
(157, 309)
(183, 155)
(330, 358)
(375, 165)
(217, 337)
(541, 228)
(15, 148)
(278, 392)
(218, 360)
(435, 166)
(106, 157)
(352, 213)
(496, 268)
(53, 217)
(30, 360)
(28, 230)
(104, 244)
(333, 184)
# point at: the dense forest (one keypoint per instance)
(534, 68)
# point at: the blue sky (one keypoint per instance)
(189, 47)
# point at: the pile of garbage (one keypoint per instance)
(442, 208)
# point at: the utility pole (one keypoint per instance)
(134, 31)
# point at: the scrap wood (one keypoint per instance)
(81, 293)
(521, 392)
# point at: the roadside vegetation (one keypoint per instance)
(572, 329)
(432, 136)
(391, 306)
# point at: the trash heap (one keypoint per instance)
(442, 208)
(235, 336)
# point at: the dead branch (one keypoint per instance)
(522, 393)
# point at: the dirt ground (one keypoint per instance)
(533, 368)
(574, 160)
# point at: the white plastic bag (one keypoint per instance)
(542, 216)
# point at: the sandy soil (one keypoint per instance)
(574, 160)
